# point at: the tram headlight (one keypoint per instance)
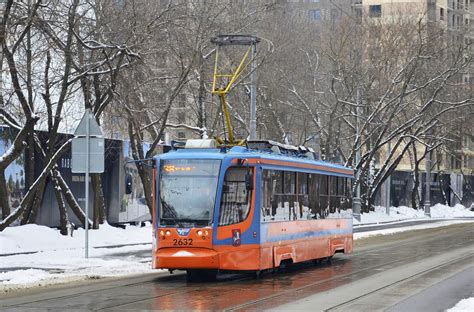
(168, 233)
(162, 233)
(202, 233)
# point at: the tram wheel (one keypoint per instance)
(329, 260)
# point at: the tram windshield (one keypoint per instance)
(187, 191)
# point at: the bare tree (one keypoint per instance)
(75, 58)
(363, 85)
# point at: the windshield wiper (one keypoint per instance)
(170, 210)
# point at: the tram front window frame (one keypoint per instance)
(187, 192)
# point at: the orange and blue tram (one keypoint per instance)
(246, 209)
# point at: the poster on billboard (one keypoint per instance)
(15, 172)
(133, 205)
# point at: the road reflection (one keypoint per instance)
(241, 291)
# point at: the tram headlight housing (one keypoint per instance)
(202, 234)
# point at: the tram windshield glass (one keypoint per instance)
(187, 191)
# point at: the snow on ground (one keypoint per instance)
(407, 213)
(408, 228)
(32, 237)
(53, 266)
(60, 259)
(465, 305)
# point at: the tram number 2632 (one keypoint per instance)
(183, 242)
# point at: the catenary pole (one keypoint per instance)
(86, 184)
(387, 183)
(427, 185)
(356, 201)
(253, 94)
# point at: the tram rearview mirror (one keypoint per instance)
(128, 183)
(249, 181)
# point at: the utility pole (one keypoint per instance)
(387, 183)
(356, 204)
(253, 93)
(86, 183)
(427, 203)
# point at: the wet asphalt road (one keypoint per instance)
(393, 225)
(383, 272)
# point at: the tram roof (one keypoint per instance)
(243, 152)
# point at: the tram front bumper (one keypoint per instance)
(186, 258)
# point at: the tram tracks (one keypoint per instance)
(429, 270)
(340, 280)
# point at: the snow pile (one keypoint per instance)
(465, 305)
(32, 237)
(52, 267)
(379, 215)
(458, 211)
(60, 259)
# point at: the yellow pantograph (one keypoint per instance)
(222, 92)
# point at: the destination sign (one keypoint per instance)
(173, 168)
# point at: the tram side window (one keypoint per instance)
(348, 187)
(289, 183)
(302, 183)
(288, 196)
(343, 193)
(346, 199)
(285, 196)
(270, 186)
(235, 202)
(340, 186)
(302, 203)
(324, 195)
(277, 188)
(333, 186)
(313, 194)
(333, 196)
(340, 198)
(279, 211)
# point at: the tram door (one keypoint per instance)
(236, 196)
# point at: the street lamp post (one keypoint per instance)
(356, 203)
(388, 182)
(427, 203)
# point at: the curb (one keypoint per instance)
(411, 220)
(96, 247)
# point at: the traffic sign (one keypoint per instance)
(87, 157)
(96, 155)
(94, 128)
(88, 140)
